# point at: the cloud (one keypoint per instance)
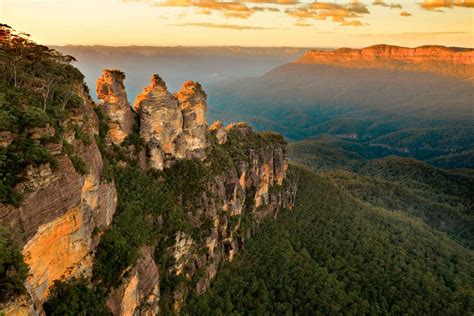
(404, 13)
(352, 23)
(435, 5)
(261, 9)
(384, 4)
(303, 24)
(282, 2)
(225, 26)
(231, 9)
(328, 10)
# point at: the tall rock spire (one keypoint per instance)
(120, 119)
(192, 100)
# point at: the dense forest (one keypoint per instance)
(333, 254)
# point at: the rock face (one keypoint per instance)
(61, 209)
(253, 188)
(173, 126)
(192, 102)
(457, 62)
(140, 291)
(111, 90)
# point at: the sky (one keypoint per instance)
(300, 23)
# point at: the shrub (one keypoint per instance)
(13, 271)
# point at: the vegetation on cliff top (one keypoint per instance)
(36, 94)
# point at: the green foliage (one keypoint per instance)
(14, 159)
(114, 254)
(79, 165)
(334, 255)
(79, 134)
(37, 90)
(76, 297)
(13, 271)
(442, 199)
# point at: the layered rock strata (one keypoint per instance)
(111, 91)
(441, 60)
(172, 126)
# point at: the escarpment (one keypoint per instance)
(440, 60)
(142, 216)
(63, 204)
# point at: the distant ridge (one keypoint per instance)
(448, 61)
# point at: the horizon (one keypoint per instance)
(243, 23)
(243, 46)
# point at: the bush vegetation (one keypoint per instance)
(13, 270)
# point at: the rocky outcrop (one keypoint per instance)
(218, 130)
(139, 292)
(192, 102)
(161, 123)
(172, 126)
(120, 119)
(457, 62)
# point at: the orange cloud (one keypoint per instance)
(404, 13)
(436, 4)
(283, 2)
(261, 9)
(328, 10)
(303, 24)
(384, 4)
(352, 23)
(231, 9)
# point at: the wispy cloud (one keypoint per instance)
(225, 26)
(352, 23)
(387, 5)
(282, 2)
(269, 9)
(405, 13)
(328, 10)
(435, 5)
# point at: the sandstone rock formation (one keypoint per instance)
(192, 101)
(173, 126)
(218, 129)
(140, 291)
(161, 123)
(61, 208)
(111, 90)
(456, 62)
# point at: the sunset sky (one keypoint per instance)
(246, 23)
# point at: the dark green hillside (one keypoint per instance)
(334, 255)
(442, 199)
(459, 160)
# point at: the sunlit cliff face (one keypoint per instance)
(244, 22)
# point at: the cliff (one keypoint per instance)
(441, 60)
(135, 221)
